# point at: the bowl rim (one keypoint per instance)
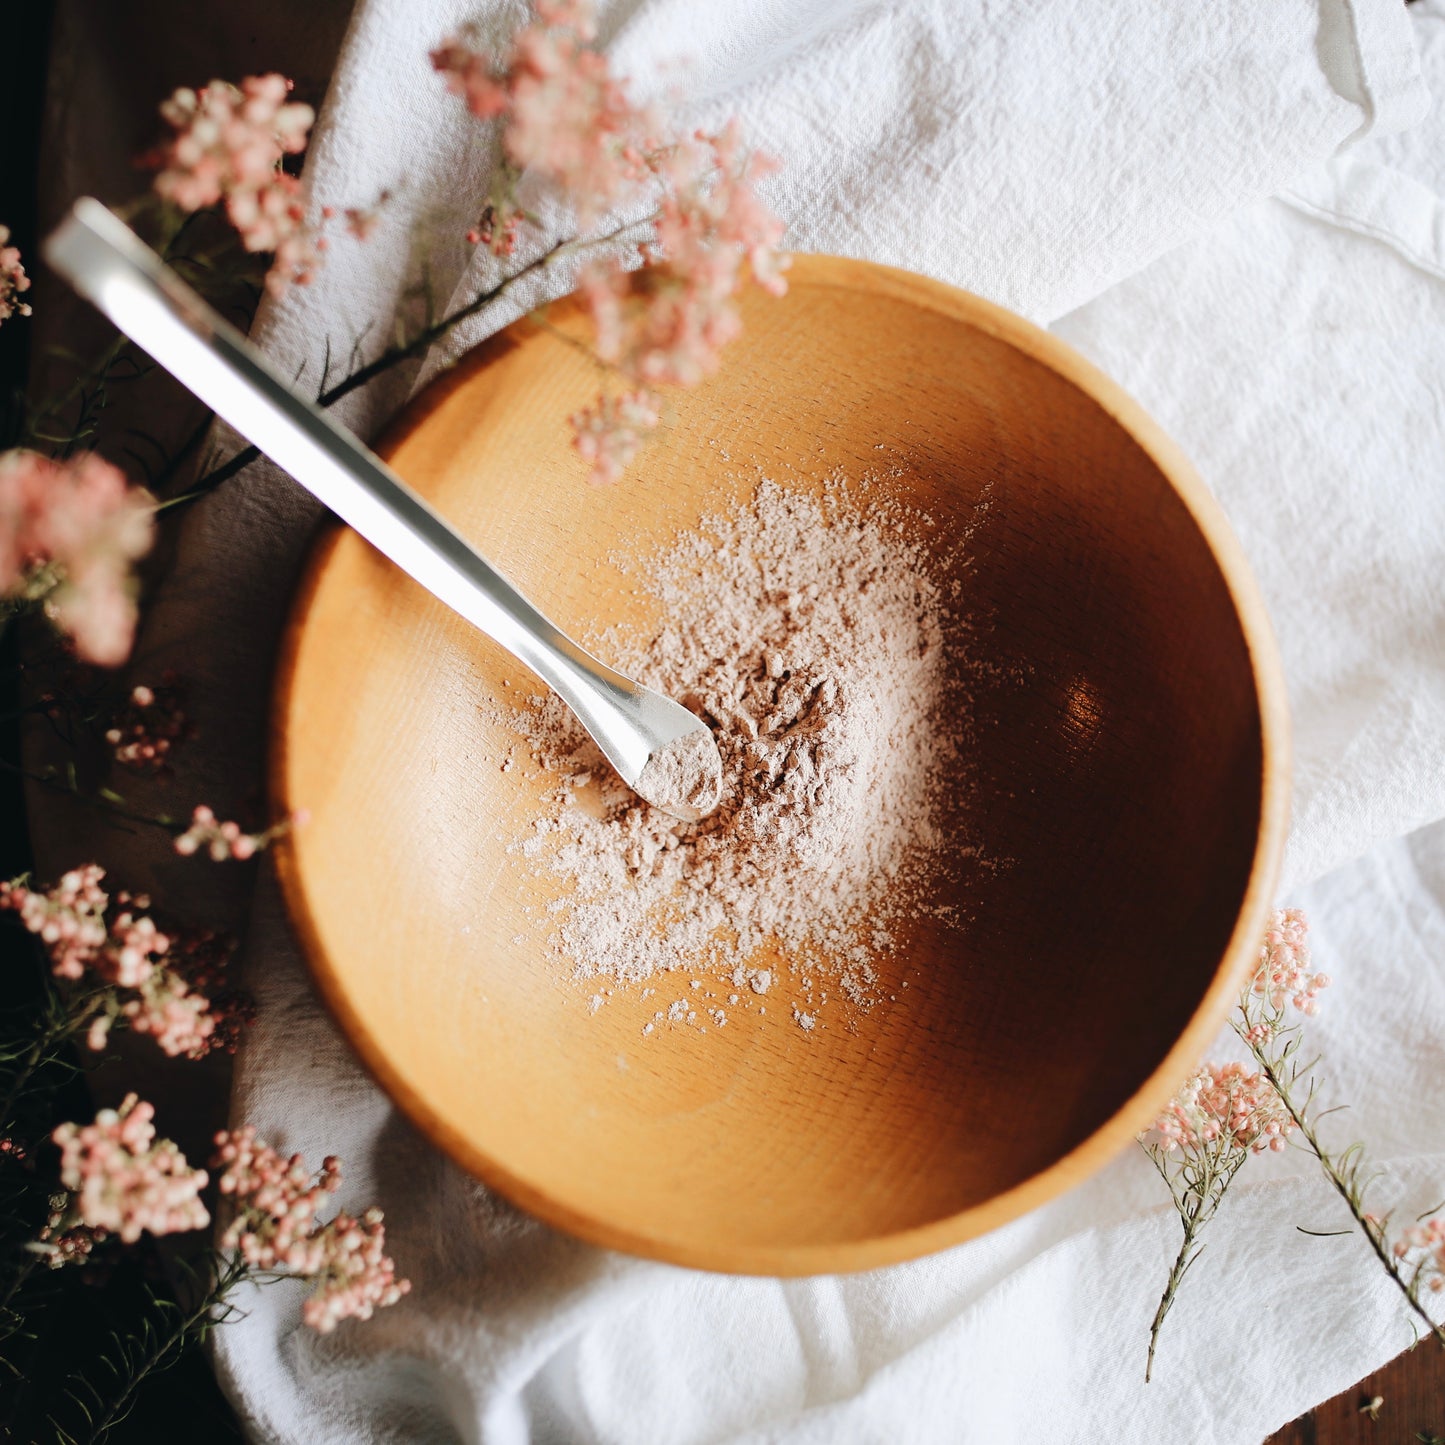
(1137, 1112)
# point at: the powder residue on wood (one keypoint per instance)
(810, 636)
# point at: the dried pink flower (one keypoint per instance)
(469, 74)
(497, 229)
(69, 533)
(13, 280)
(227, 147)
(143, 976)
(1284, 972)
(69, 919)
(565, 116)
(1422, 1245)
(147, 729)
(362, 221)
(227, 840)
(1224, 1103)
(275, 1227)
(669, 321)
(566, 119)
(180, 1021)
(63, 1239)
(124, 1180)
(610, 433)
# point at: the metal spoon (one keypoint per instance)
(660, 749)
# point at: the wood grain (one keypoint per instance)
(1411, 1391)
(1130, 741)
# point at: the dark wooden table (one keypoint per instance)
(1411, 1391)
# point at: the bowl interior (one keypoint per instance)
(1124, 786)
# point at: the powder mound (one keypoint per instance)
(684, 777)
(809, 636)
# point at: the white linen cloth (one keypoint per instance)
(1039, 154)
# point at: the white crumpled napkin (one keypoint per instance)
(1037, 153)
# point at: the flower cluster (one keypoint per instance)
(227, 146)
(564, 115)
(63, 1239)
(123, 1180)
(226, 840)
(69, 534)
(1284, 972)
(1228, 1104)
(139, 976)
(568, 121)
(275, 1227)
(609, 434)
(13, 280)
(69, 920)
(669, 321)
(1422, 1245)
(145, 732)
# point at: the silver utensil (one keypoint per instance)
(660, 749)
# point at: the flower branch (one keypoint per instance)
(1222, 1114)
(407, 350)
(1347, 1171)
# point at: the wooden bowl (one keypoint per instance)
(1130, 734)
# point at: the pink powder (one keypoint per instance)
(809, 635)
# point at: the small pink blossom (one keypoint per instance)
(565, 116)
(497, 229)
(227, 145)
(69, 533)
(669, 321)
(124, 1180)
(1422, 1245)
(146, 980)
(1284, 973)
(13, 280)
(468, 73)
(226, 840)
(361, 221)
(565, 119)
(63, 1239)
(146, 730)
(275, 1227)
(610, 433)
(69, 919)
(182, 1023)
(1224, 1103)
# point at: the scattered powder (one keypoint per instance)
(809, 636)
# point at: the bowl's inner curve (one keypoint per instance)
(1118, 773)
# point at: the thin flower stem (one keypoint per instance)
(164, 1352)
(403, 351)
(1342, 1182)
(1192, 1225)
(98, 372)
(108, 803)
(96, 375)
(61, 1024)
(40, 1046)
(13, 1321)
(1197, 1204)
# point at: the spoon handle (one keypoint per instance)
(108, 264)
